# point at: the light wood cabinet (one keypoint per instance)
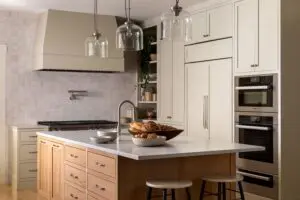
(50, 170)
(256, 31)
(209, 99)
(216, 23)
(171, 83)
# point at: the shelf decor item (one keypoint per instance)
(177, 24)
(96, 45)
(129, 36)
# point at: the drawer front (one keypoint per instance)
(75, 176)
(101, 187)
(28, 170)
(102, 164)
(93, 198)
(72, 193)
(76, 156)
(28, 152)
(29, 136)
(27, 185)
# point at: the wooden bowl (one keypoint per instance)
(168, 134)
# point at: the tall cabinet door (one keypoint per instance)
(221, 100)
(57, 171)
(166, 81)
(246, 31)
(44, 168)
(178, 83)
(197, 80)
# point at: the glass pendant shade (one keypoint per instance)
(96, 46)
(129, 37)
(177, 26)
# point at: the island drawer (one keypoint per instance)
(75, 176)
(101, 187)
(72, 193)
(76, 156)
(102, 164)
(28, 170)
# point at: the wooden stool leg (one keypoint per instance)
(241, 190)
(165, 194)
(149, 193)
(224, 190)
(202, 191)
(173, 194)
(188, 194)
(219, 191)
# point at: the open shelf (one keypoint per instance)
(153, 61)
(147, 102)
(149, 82)
(153, 43)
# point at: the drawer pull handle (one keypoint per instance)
(33, 152)
(56, 146)
(103, 189)
(74, 197)
(101, 165)
(43, 142)
(169, 117)
(73, 156)
(32, 170)
(73, 176)
(33, 136)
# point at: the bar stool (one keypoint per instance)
(168, 185)
(221, 181)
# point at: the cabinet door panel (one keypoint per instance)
(199, 29)
(178, 82)
(44, 170)
(221, 101)
(268, 36)
(166, 81)
(197, 80)
(57, 171)
(220, 22)
(246, 31)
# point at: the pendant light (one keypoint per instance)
(129, 37)
(96, 44)
(177, 24)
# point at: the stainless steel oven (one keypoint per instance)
(256, 93)
(259, 129)
(261, 184)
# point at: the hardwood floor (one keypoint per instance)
(7, 194)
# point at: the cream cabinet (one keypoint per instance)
(256, 36)
(24, 156)
(209, 99)
(171, 83)
(213, 24)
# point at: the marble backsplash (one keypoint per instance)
(33, 96)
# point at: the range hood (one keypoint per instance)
(60, 43)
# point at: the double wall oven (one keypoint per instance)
(256, 123)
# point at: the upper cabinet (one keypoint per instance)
(213, 24)
(256, 31)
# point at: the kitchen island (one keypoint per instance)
(71, 167)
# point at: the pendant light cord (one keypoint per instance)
(127, 10)
(95, 15)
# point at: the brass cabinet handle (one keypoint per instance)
(102, 188)
(33, 136)
(206, 35)
(33, 152)
(73, 196)
(169, 117)
(73, 176)
(43, 142)
(101, 165)
(57, 146)
(32, 170)
(73, 156)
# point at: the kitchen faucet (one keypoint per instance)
(119, 115)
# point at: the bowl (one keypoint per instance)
(143, 142)
(168, 134)
(101, 140)
(112, 133)
(153, 57)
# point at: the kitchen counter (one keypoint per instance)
(178, 147)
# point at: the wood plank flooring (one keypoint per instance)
(7, 194)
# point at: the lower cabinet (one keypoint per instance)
(209, 99)
(50, 169)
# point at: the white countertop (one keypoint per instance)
(178, 147)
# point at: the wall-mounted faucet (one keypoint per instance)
(76, 94)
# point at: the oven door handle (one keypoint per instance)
(254, 176)
(261, 87)
(259, 128)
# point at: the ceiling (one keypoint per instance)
(141, 9)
